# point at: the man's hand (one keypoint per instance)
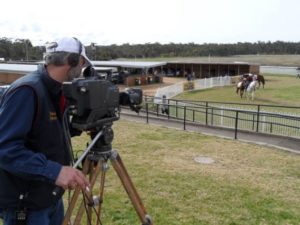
(69, 178)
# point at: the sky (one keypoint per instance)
(107, 22)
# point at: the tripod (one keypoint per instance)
(95, 162)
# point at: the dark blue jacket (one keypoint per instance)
(32, 143)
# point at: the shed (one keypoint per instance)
(11, 72)
(135, 72)
(211, 69)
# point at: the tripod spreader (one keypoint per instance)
(58, 191)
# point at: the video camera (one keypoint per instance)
(94, 100)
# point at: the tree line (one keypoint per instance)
(22, 49)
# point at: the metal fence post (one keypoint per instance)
(176, 109)
(193, 115)
(212, 116)
(271, 128)
(184, 115)
(147, 113)
(257, 118)
(236, 124)
(169, 111)
(206, 113)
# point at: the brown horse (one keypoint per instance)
(242, 86)
(261, 79)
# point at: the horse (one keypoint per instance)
(260, 79)
(242, 86)
(250, 91)
(245, 80)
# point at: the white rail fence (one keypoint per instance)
(199, 84)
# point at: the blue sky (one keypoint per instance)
(138, 21)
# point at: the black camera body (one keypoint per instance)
(93, 101)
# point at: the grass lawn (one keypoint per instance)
(279, 90)
(247, 184)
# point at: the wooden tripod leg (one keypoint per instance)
(101, 191)
(94, 173)
(75, 196)
(89, 196)
(130, 189)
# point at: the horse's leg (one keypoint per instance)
(238, 87)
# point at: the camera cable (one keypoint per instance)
(67, 136)
(90, 202)
(66, 130)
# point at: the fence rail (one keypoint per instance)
(269, 119)
(198, 84)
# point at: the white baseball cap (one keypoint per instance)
(68, 44)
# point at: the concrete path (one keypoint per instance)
(280, 142)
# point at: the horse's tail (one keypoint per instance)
(262, 79)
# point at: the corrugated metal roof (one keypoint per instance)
(129, 64)
(213, 63)
(27, 68)
(17, 68)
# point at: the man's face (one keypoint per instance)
(75, 72)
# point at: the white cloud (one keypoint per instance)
(141, 21)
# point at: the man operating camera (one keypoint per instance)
(34, 154)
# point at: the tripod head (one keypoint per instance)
(104, 143)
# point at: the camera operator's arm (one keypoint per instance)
(16, 116)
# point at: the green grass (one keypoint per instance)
(247, 184)
(279, 90)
